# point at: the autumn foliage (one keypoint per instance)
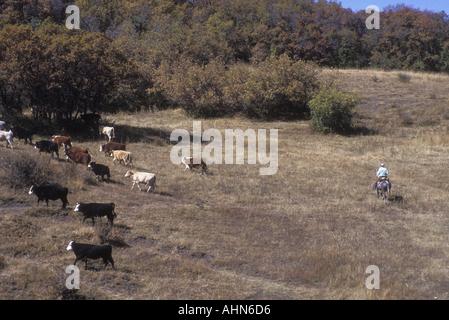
(211, 57)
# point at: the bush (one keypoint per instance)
(331, 110)
(276, 87)
(21, 169)
(404, 78)
(279, 87)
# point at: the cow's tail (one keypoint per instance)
(155, 179)
(113, 211)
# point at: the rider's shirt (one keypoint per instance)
(382, 172)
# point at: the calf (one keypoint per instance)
(110, 146)
(22, 133)
(90, 251)
(142, 177)
(100, 170)
(92, 210)
(62, 141)
(79, 157)
(124, 156)
(50, 192)
(6, 136)
(47, 146)
(194, 162)
(108, 131)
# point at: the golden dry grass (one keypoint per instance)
(307, 232)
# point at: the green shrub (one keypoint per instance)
(404, 78)
(276, 87)
(279, 87)
(331, 110)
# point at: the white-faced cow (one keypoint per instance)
(110, 146)
(62, 141)
(100, 170)
(125, 156)
(92, 210)
(194, 162)
(50, 192)
(90, 251)
(47, 146)
(142, 177)
(6, 136)
(107, 131)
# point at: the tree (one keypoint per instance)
(65, 71)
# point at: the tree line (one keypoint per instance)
(210, 57)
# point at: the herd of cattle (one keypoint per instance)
(81, 155)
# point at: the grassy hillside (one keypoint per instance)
(307, 232)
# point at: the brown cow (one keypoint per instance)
(125, 156)
(108, 147)
(62, 140)
(73, 150)
(79, 157)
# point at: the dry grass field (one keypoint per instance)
(307, 232)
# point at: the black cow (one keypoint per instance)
(100, 170)
(21, 133)
(92, 210)
(48, 146)
(50, 192)
(90, 251)
(90, 117)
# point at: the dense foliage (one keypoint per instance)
(330, 110)
(210, 57)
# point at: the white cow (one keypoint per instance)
(6, 136)
(142, 177)
(109, 131)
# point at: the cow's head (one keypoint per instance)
(77, 208)
(69, 247)
(129, 173)
(31, 190)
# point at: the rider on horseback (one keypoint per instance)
(381, 174)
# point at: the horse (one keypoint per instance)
(383, 186)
